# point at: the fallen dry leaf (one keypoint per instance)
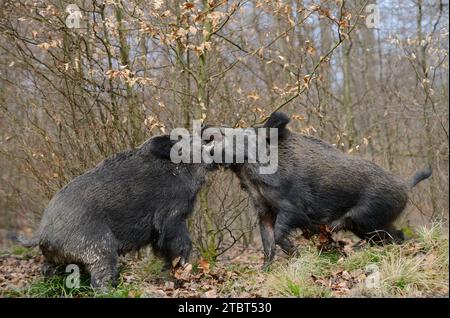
(211, 294)
(203, 265)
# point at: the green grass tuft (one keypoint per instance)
(55, 287)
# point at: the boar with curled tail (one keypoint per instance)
(136, 198)
(316, 184)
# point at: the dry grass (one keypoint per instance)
(418, 268)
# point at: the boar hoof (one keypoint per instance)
(49, 270)
(266, 267)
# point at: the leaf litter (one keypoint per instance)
(236, 274)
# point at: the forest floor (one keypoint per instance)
(324, 267)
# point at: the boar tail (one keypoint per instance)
(22, 240)
(419, 176)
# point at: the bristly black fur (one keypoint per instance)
(278, 120)
(132, 199)
(161, 145)
(316, 184)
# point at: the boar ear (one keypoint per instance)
(278, 120)
(160, 146)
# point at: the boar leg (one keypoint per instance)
(104, 273)
(287, 246)
(378, 235)
(375, 230)
(282, 230)
(288, 219)
(49, 269)
(266, 226)
(176, 245)
(100, 256)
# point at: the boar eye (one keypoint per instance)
(209, 139)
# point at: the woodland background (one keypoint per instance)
(71, 97)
